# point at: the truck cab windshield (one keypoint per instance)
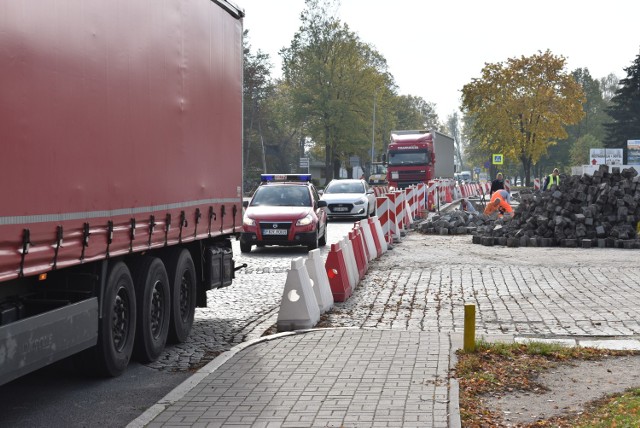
(409, 158)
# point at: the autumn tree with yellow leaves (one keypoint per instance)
(521, 107)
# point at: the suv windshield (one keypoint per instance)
(281, 196)
(340, 187)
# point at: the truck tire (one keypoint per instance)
(182, 280)
(153, 308)
(116, 328)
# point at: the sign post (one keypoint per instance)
(304, 163)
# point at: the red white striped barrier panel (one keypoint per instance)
(358, 252)
(350, 261)
(380, 190)
(376, 235)
(338, 274)
(393, 220)
(367, 236)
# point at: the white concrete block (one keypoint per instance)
(298, 308)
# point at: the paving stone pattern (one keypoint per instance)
(422, 286)
(357, 378)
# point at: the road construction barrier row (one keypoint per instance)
(311, 288)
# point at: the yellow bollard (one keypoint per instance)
(469, 328)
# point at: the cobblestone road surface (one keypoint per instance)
(422, 285)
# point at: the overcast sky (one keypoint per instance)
(433, 48)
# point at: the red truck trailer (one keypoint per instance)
(120, 175)
(417, 156)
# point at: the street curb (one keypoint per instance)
(181, 390)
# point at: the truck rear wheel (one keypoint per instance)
(182, 278)
(153, 308)
(116, 328)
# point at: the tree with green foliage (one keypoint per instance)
(594, 108)
(413, 112)
(333, 78)
(257, 88)
(561, 155)
(453, 129)
(579, 153)
(521, 107)
(625, 109)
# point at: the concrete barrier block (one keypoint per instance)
(298, 308)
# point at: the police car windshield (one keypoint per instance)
(281, 196)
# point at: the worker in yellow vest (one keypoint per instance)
(552, 180)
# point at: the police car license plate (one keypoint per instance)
(341, 209)
(274, 231)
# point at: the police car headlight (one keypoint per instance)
(247, 221)
(360, 202)
(305, 221)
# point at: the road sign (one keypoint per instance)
(497, 159)
(304, 162)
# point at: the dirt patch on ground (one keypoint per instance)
(571, 386)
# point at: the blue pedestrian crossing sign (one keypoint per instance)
(498, 159)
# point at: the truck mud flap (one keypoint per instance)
(37, 341)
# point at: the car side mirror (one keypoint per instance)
(320, 192)
(245, 204)
(322, 204)
(370, 192)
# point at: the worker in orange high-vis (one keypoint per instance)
(497, 203)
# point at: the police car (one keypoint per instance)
(284, 210)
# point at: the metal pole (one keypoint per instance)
(469, 328)
(373, 129)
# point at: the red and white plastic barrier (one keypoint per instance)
(370, 245)
(320, 280)
(338, 274)
(350, 259)
(536, 184)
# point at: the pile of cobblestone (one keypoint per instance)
(455, 222)
(584, 211)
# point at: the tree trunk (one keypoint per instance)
(328, 156)
(526, 165)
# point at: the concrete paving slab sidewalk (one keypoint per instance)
(324, 377)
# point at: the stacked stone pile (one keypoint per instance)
(585, 211)
(453, 223)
